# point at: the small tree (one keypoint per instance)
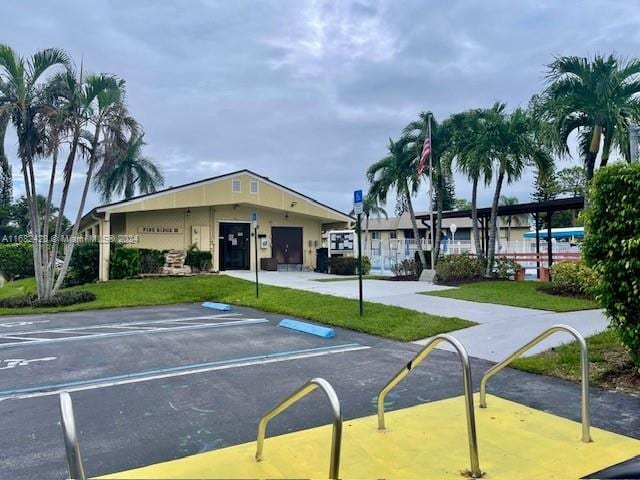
(612, 248)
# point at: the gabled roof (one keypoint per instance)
(110, 206)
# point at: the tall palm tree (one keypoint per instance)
(109, 123)
(465, 130)
(598, 98)
(370, 208)
(510, 141)
(131, 170)
(511, 220)
(21, 99)
(397, 171)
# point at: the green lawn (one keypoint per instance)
(386, 321)
(516, 294)
(351, 277)
(609, 364)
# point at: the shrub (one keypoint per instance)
(571, 278)
(505, 268)
(125, 262)
(366, 265)
(343, 265)
(151, 261)
(406, 269)
(60, 300)
(198, 259)
(458, 269)
(83, 266)
(612, 248)
(16, 260)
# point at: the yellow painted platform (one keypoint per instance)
(423, 442)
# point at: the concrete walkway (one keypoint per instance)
(501, 329)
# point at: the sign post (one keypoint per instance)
(254, 223)
(357, 208)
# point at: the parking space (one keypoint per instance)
(155, 384)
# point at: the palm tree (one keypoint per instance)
(510, 141)
(370, 208)
(510, 220)
(598, 98)
(465, 130)
(397, 171)
(131, 171)
(104, 100)
(21, 101)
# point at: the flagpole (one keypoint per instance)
(431, 194)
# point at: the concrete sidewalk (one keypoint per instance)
(501, 330)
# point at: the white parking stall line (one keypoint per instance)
(117, 325)
(48, 390)
(15, 337)
(138, 331)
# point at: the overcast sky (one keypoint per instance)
(308, 92)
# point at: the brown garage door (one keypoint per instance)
(286, 245)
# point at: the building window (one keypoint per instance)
(236, 186)
(375, 235)
(254, 186)
(393, 235)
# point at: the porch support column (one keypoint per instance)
(104, 248)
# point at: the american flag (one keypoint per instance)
(426, 151)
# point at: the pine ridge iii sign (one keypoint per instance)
(159, 229)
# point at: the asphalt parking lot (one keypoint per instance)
(154, 384)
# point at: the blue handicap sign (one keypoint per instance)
(254, 217)
(357, 196)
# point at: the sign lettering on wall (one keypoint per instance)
(159, 229)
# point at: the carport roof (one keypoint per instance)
(549, 206)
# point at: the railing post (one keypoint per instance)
(584, 364)
(467, 386)
(336, 437)
(71, 444)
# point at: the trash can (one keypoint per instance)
(322, 260)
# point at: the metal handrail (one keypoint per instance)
(71, 445)
(584, 361)
(336, 438)
(468, 392)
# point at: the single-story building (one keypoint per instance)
(215, 214)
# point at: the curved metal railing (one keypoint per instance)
(336, 438)
(584, 361)
(468, 392)
(71, 445)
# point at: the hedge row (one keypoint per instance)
(612, 248)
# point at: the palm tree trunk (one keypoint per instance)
(493, 225)
(590, 161)
(67, 173)
(439, 208)
(76, 226)
(606, 148)
(129, 187)
(45, 219)
(474, 218)
(366, 233)
(414, 225)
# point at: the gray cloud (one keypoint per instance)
(308, 92)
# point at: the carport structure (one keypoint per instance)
(539, 210)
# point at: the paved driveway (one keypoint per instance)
(501, 329)
(159, 383)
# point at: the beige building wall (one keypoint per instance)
(180, 228)
(192, 214)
